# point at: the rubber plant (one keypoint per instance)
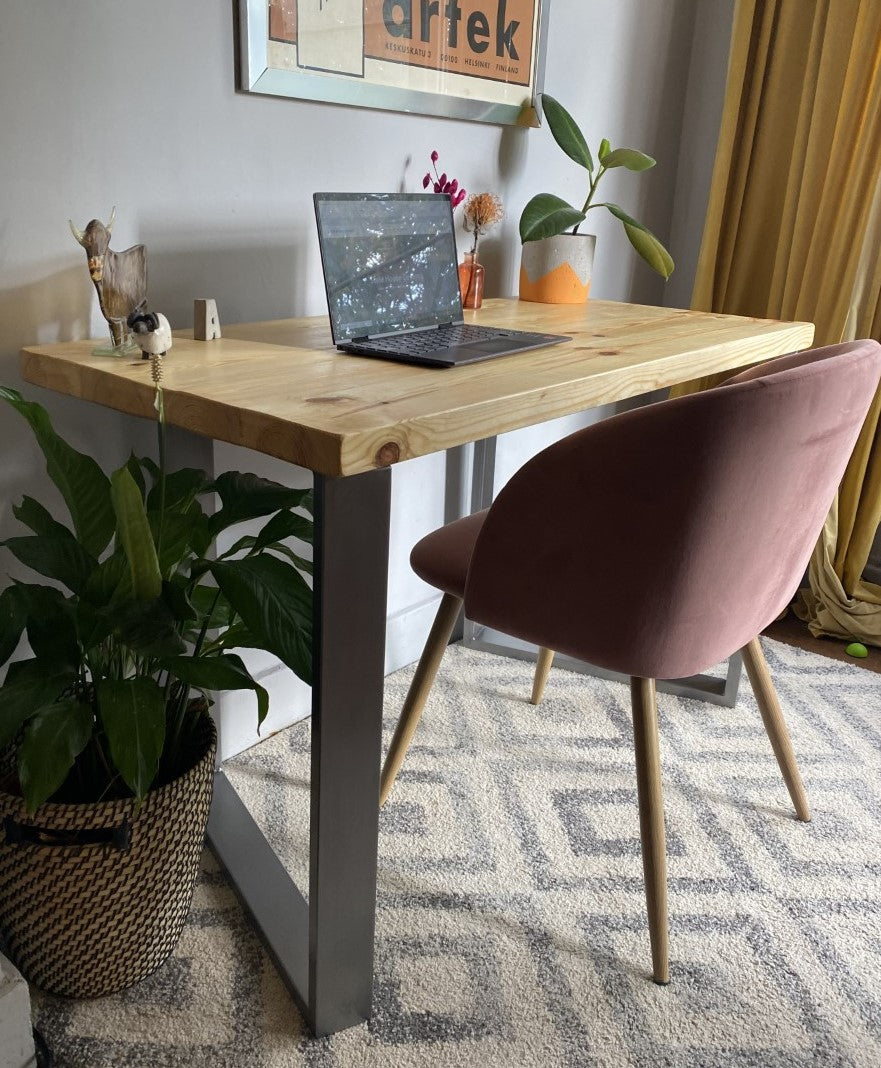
(132, 614)
(547, 215)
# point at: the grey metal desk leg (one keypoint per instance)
(351, 576)
(268, 894)
(324, 949)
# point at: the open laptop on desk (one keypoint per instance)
(392, 282)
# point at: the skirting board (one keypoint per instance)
(290, 700)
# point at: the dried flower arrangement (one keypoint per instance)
(482, 210)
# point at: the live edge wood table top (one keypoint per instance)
(281, 387)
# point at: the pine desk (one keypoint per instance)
(281, 388)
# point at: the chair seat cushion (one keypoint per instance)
(443, 557)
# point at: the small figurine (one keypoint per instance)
(152, 333)
(120, 278)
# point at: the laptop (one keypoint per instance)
(392, 281)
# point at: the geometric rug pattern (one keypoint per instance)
(511, 926)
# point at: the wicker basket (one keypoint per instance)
(88, 919)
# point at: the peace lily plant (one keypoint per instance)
(132, 614)
(547, 215)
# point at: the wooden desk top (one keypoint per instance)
(282, 389)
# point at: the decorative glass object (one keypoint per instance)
(471, 276)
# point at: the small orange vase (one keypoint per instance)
(471, 275)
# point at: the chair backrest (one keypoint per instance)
(658, 542)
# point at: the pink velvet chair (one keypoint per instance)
(657, 543)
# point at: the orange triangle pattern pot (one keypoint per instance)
(557, 270)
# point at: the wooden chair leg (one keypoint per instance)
(651, 821)
(542, 670)
(775, 725)
(420, 688)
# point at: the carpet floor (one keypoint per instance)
(511, 929)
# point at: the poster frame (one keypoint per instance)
(256, 75)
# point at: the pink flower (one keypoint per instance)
(441, 183)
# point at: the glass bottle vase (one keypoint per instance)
(471, 275)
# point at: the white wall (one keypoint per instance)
(134, 105)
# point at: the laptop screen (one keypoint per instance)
(389, 262)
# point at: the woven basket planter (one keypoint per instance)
(92, 898)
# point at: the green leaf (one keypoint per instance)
(151, 467)
(133, 716)
(35, 516)
(145, 628)
(136, 536)
(651, 250)
(629, 158)
(181, 489)
(205, 599)
(275, 604)
(604, 150)
(285, 525)
(93, 625)
(12, 622)
(238, 637)
(62, 559)
(299, 562)
(83, 485)
(182, 536)
(136, 471)
(109, 580)
(225, 672)
(49, 620)
(174, 596)
(249, 542)
(566, 132)
(148, 628)
(645, 242)
(247, 496)
(546, 216)
(52, 741)
(27, 690)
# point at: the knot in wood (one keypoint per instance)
(388, 454)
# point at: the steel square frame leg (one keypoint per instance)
(324, 949)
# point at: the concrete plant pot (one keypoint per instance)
(557, 270)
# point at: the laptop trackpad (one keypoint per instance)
(484, 350)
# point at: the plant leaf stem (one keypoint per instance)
(160, 408)
(601, 170)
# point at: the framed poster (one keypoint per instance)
(467, 59)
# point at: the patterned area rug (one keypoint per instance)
(511, 929)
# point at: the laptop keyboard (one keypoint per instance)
(423, 342)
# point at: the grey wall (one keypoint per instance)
(134, 105)
(705, 94)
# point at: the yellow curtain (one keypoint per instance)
(793, 231)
